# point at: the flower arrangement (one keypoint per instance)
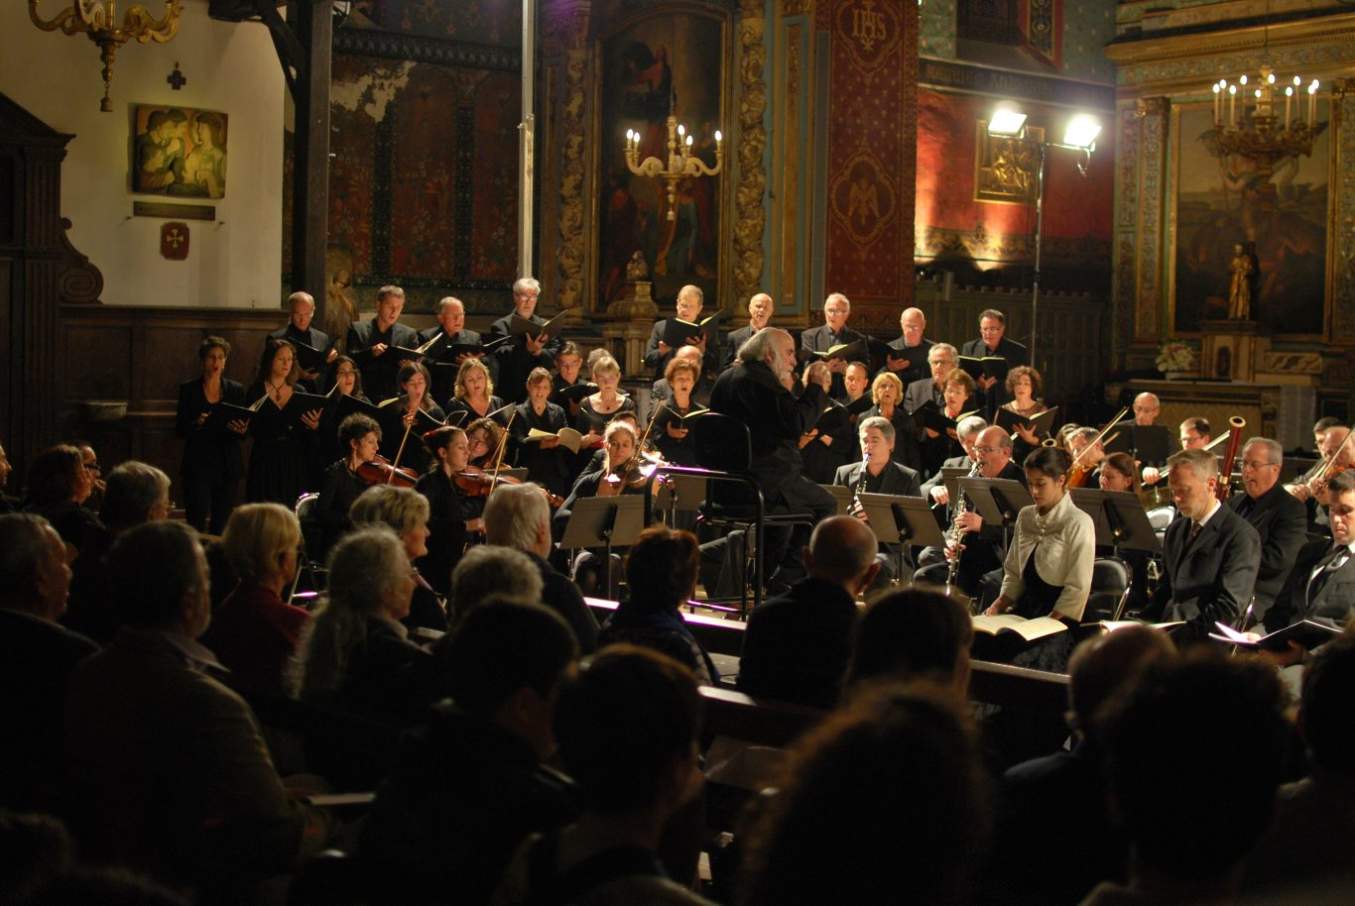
(1175, 356)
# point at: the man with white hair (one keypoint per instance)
(1210, 553)
(518, 356)
(908, 354)
(518, 516)
(1280, 520)
(760, 392)
(760, 308)
(837, 308)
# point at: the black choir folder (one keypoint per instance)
(574, 393)
(1030, 630)
(1306, 633)
(930, 415)
(1041, 422)
(307, 356)
(527, 327)
(676, 332)
(993, 366)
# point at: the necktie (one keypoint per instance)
(1194, 533)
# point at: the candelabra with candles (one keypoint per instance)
(682, 162)
(1257, 131)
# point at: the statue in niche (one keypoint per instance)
(1243, 268)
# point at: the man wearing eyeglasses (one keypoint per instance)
(90, 461)
(1278, 517)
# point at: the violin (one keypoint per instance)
(473, 483)
(380, 471)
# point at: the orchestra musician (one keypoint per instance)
(277, 459)
(1337, 456)
(941, 360)
(834, 332)
(1091, 459)
(473, 391)
(760, 307)
(449, 524)
(1118, 472)
(450, 331)
(547, 463)
(212, 465)
(658, 353)
(993, 341)
(1210, 553)
(1048, 567)
(517, 357)
(1195, 433)
(359, 437)
(967, 431)
(667, 433)
(877, 473)
(370, 341)
(1280, 520)
(887, 393)
(758, 391)
(908, 355)
(1146, 408)
(401, 426)
(301, 307)
(346, 380)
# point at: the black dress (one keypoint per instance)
(414, 455)
(337, 492)
(324, 446)
(680, 452)
(456, 404)
(589, 420)
(212, 465)
(277, 459)
(553, 468)
(905, 437)
(447, 515)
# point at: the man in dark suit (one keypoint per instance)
(1278, 517)
(518, 356)
(1210, 552)
(658, 353)
(877, 473)
(299, 330)
(967, 432)
(1321, 586)
(37, 656)
(758, 391)
(759, 315)
(450, 331)
(907, 357)
(798, 643)
(993, 341)
(834, 332)
(369, 344)
(941, 361)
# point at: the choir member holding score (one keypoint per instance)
(403, 425)
(277, 460)
(518, 355)
(212, 464)
(669, 434)
(473, 391)
(547, 462)
(370, 343)
(887, 393)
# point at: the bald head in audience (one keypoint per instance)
(842, 551)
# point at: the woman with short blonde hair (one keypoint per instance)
(406, 512)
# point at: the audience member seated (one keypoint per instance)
(355, 655)
(58, 487)
(797, 644)
(1194, 753)
(1307, 849)
(254, 632)
(167, 768)
(488, 571)
(912, 634)
(405, 511)
(885, 802)
(661, 575)
(134, 493)
(471, 785)
(1057, 803)
(36, 659)
(628, 726)
(518, 516)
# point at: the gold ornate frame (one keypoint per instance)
(985, 146)
(726, 291)
(1332, 227)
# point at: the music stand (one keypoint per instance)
(901, 521)
(1119, 517)
(997, 500)
(842, 496)
(605, 522)
(950, 478)
(681, 493)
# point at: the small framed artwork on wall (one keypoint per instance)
(178, 151)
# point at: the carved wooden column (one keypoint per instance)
(1149, 302)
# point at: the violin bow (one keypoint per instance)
(503, 448)
(390, 477)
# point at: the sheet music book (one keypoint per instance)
(676, 331)
(525, 327)
(1030, 630)
(348, 405)
(993, 366)
(570, 439)
(574, 393)
(1306, 633)
(307, 356)
(1042, 423)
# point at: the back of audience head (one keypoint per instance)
(261, 541)
(36, 849)
(504, 662)
(158, 576)
(134, 492)
(486, 570)
(842, 551)
(1203, 712)
(57, 475)
(34, 575)
(912, 633)
(627, 723)
(518, 516)
(884, 802)
(1324, 715)
(1103, 665)
(661, 569)
(108, 887)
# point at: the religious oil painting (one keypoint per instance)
(661, 65)
(178, 151)
(1278, 214)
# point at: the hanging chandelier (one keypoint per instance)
(98, 20)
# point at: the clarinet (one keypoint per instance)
(954, 535)
(860, 485)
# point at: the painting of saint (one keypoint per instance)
(660, 65)
(178, 151)
(1278, 214)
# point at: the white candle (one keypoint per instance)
(1312, 105)
(1288, 96)
(1232, 105)
(1217, 102)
